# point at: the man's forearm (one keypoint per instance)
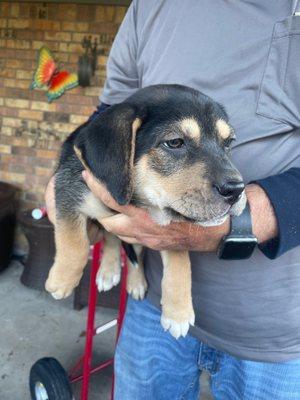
(264, 222)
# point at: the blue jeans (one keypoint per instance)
(151, 365)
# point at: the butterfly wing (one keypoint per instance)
(45, 69)
(61, 82)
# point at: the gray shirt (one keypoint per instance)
(246, 55)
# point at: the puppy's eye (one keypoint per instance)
(174, 143)
(228, 142)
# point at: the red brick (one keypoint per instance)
(7, 53)
(14, 10)
(16, 83)
(21, 64)
(58, 36)
(7, 73)
(50, 154)
(17, 93)
(18, 103)
(44, 25)
(23, 151)
(45, 163)
(25, 54)
(104, 27)
(80, 100)
(22, 169)
(75, 26)
(18, 23)
(12, 177)
(86, 13)
(29, 34)
(67, 12)
(29, 114)
(43, 106)
(5, 9)
(105, 14)
(17, 44)
(120, 14)
(4, 148)
(8, 112)
(7, 130)
(13, 122)
(24, 10)
(3, 22)
(21, 74)
(15, 159)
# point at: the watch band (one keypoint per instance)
(240, 243)
(241, 225)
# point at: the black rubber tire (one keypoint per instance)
(54, 378)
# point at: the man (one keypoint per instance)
(247, 334)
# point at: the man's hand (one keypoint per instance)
(50, 200)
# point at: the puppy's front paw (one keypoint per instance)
(177, 322)
(59, 287)
(107, 279)
(109, 274)
(137, 286)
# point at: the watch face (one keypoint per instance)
(237, 248)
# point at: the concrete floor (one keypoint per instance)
(33, 325)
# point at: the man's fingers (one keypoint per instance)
(94, 233)
(50, 199)
(118, 224)
(101, 192)
(128, 239)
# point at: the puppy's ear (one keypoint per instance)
(106, 146)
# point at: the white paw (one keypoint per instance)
(176, 328)
(61, 294)
(137, 291)
(106, 280)
(58, 290)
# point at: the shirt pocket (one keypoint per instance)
(279, 93)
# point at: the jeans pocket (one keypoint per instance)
(279, 94)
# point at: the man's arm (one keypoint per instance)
(283, 191)
(122, 78)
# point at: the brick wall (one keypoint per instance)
(32, 129)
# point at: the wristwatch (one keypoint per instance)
(240, 243)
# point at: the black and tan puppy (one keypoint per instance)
(167, 149)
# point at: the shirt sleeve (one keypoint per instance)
(283, 191)
(121, 72)
(99, 110)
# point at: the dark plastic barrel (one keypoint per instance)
(40, 236)
(7, 223)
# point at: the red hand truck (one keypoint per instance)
(48, 380)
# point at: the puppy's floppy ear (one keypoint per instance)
(106, 146)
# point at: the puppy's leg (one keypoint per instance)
(72, 250)
(109, 273)
(136, 282)
(177, 306)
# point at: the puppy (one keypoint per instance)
(166, 149)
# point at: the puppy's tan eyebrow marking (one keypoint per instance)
(191, 128)
(223, 129)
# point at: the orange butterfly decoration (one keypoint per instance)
(47, 76)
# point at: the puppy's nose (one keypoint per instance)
(231, 191)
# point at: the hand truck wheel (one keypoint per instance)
(49, 381)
